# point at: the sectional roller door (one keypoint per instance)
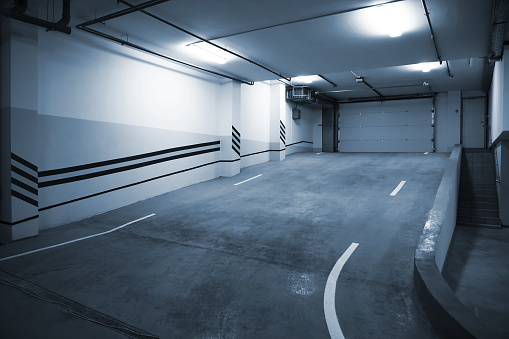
(387, 126)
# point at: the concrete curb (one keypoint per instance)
(447, 314)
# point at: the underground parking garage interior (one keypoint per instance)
(254, 169)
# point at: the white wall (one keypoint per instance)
(299, 132)
(498, 93)
(99, 102)
(255, 124)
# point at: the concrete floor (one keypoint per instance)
(246, 261)
(477, 269)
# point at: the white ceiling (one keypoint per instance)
(327, 37)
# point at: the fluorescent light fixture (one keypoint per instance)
(209, 52)
(393, 19)
(306, 79)
(424, 66)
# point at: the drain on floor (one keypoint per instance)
(72, 307)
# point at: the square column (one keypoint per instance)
(277, 122)
(18, 128)
(230, 128)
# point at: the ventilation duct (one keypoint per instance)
(300, 94)
(18, 13)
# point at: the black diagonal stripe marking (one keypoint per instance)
(23, 162)
(23, 174)
(26, 187)
(282, 140)
(236, 151)
(126, 186)
(24, 198)
(282, 136)
(282, 124)
(123, 168)
(236, 138)
(238, 146)
(124, 159)
(282, 131)
(234, 129)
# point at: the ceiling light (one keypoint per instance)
(209, 52)
(306, 79)
(425, 67)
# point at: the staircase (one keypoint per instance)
(478, 200)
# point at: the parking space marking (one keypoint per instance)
(329, 298)
(396, 190)
(79, 239)
(259, 175)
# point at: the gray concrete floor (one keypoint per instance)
(246, 261)
(477, 269)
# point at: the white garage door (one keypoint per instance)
(387, 126)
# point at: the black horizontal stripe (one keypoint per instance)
(23, 174)
(234, 160)
(24, 198)
(129, 185)
(123, 168)
(235, 130)
(300, 142)
(19, 221)
(124, 159)
(236, 138)
(26, 187)
(269, 150)
(236, 150)
(235, 143)
(23, 162)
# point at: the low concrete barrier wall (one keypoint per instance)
(445, 311)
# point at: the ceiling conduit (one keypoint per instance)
(20, 7)
(205, 40)
(141, 7)
(434, 40)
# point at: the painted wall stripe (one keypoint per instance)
(79, 239)
(19, 221)
(23, 197)
(24, 174)
(129, 185)
(236, 151)
(24, 186)
(299, 142)
(396, 190)
(259, 175)
(23, 162)
(329, 298)
(233, 128)
(124, 159)
(123, 168)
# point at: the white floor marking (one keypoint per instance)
(396, 190)
(259, 175)
(329, 297)
(318, 153)
(426, 152)
(79, 239)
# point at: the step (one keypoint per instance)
(478, 220)
(472, 191)
(478, 205)
(477, 225)
(487, 186)
(476, 212)
(478, 198)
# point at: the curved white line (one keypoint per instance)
(79, 239)
(329, 298)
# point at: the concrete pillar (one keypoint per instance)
(277, 122)
(18, 126)
(230, 128)
(503, 185)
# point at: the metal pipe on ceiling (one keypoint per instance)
(439, 57)
(330, 82)
(123, 12)
(205, 40)
(18, 13)
(143, 49)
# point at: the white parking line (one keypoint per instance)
(259, 175)
(79, 239)
(396, 190)
(426, 152)
(329, 298)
